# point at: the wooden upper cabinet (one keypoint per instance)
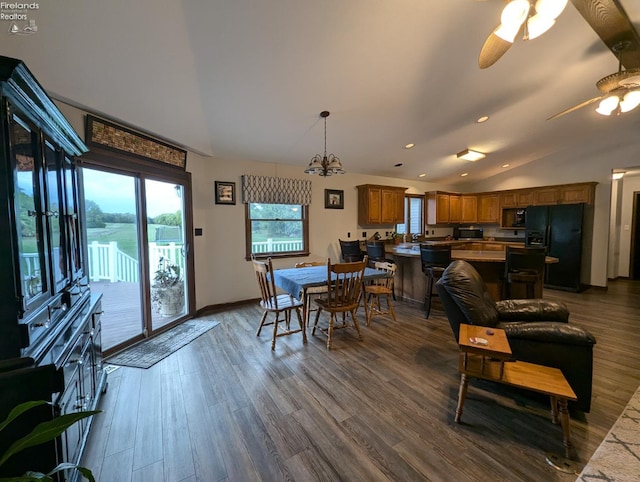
(524, 197)
(443, 208)
(578, 193)
(380, 205)
(455, 208)
(546, 195)
(488, 208)
(469, 208)
(509, 199)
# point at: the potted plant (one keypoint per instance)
(42, 433)
(167, 291)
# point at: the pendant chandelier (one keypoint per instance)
(325, 165)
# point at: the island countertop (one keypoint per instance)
(411, 281)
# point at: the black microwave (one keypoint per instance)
(467, 233)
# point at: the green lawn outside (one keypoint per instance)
(122, 233)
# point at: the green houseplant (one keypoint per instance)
(42, 433)
(167, 291)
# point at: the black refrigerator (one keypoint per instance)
(559, 229)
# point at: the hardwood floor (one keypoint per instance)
(227, 408)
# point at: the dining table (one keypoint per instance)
(296, 281)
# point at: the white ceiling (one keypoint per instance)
(247, 79)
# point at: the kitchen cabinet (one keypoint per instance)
(577, 193)
(518, 198)
(380, 205)
(455, 208)
(438, 208)
(469, 208)
(488, 209)
(547, 195)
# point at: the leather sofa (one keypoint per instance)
(538, 330)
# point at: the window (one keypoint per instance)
(413, 215)
(277, 230)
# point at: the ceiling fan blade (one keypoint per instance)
(494, 48)
(576, 107)
(612, 24)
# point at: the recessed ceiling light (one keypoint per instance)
(398, 165)
(422, 175)
(505, 165)
(409, 146)
(470, 155)
(464, 174)
(482, 119)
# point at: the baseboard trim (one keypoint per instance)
(207, 310)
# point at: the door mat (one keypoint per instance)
(149, 352)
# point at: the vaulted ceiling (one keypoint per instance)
(247, 79)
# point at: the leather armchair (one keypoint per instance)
(538, 330)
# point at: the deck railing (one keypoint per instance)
(271, 246)
(108, 263)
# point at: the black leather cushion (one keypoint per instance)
(469, 292)
(548, 332)
(532, 310)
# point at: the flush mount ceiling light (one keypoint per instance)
(325, 165)
(470, 155)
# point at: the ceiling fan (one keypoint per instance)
(531, 19)
(620, 91)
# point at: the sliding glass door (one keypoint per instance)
(137, 252)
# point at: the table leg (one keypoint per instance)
(462, 393)
(566, 430)
(554, 410)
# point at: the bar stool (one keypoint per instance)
(524, 266)
(351, 251)
(435, 258)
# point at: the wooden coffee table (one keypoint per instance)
(489, 362)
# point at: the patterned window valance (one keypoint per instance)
(275, 190)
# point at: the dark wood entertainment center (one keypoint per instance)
(50, 332)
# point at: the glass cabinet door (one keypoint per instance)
(72, 221)
(29, 215)
(55, 217)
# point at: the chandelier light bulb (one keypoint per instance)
(537, 25)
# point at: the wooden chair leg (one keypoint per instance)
(264, 317)
(303, 324)
(391, 310)
(275, 331)
(330, 331)
(356, 324)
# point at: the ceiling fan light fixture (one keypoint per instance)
(470, 155)
(550, 9)
(537, 25)
(512, 18)
(608, 105)
(630, 101)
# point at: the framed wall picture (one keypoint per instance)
(333, 199)
(225, 192)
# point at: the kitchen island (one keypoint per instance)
(487, 257)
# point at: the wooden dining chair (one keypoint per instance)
(344, 288)
(271, 302)
(380, 288)
(312, 291)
